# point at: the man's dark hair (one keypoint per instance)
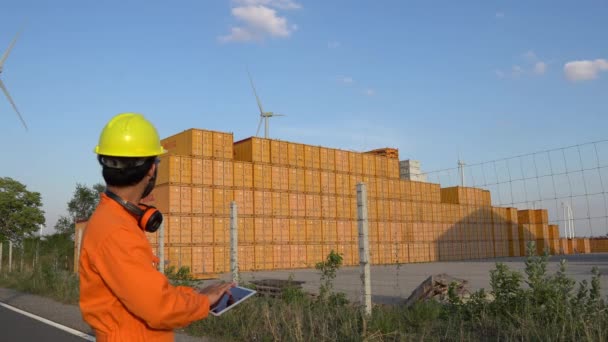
(124, 171)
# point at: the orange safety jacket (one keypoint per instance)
(123, 297)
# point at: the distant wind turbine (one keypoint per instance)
(263, 115)
(3, 87)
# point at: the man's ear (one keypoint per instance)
(152, 170)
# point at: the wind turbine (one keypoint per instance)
(3, 87)
(263, 115)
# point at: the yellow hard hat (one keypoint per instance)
(129, 135)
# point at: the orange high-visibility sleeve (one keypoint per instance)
(124, 261)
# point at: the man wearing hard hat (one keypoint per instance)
(122, 294)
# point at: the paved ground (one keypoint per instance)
(64, 314)
(392, 284)
(17, 327)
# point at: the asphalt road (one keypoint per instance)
(17, 327)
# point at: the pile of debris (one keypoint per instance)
(436, 288)
(275, 287)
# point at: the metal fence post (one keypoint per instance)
(161, 247)
(234, 245)
(366, 288)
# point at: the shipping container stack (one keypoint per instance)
(534, 226)
(194, 189)
(598, 245)
(298, 202)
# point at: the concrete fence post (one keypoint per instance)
(234, 245)
(10, 256)
(366, 288)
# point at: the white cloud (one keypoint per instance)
(499, 73)
(333, 45)
(500, 15)
(369, 92)
(540, 68)
(530, 56)
(346, 80)
(259, 19)
(280, 4)
(584, 70)
(516, 71)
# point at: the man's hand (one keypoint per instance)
(216, 291)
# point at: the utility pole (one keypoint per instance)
(461, 165)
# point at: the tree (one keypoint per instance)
(20, 210)
(80, 207)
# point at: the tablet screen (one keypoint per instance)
(239, 294)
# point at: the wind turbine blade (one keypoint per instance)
(255, 93)
(257, 133)
(8, 96)
(279, 115)
(8, 51)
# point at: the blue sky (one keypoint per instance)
(483, 79)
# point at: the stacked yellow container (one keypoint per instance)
(297, 202)
(194, 189)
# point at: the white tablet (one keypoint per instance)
(239, 294)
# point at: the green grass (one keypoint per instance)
(529, 306)
(44, 280)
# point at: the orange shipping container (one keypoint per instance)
(252, 150)
(280, 230)
(245, 201)
(246, 258)
(186, 170)
(258, 176)
(308, 161)
(202, 260)
(275, 178)
(297, 256)
(281, 257)
(292, 159)
(208, 144)
(313, 232)
(300, 155)
(263, 258)
(197, 230)
(275, 147)
(341, 160)
(185, 229)
(173, 229)
(297, 230)
(283, 151)
(197, 200)
(221, 234)
(166, 198)
(207, 200)
(221, 201)
(187, 143)
(355, 161)
(185, 199)
(246, 230)
(220, 259)
(381, 166)
(310, 206)
(208, 230)
(293, 179)
(197, 171)
(169, 169)
(314, 254)
(207, 176)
